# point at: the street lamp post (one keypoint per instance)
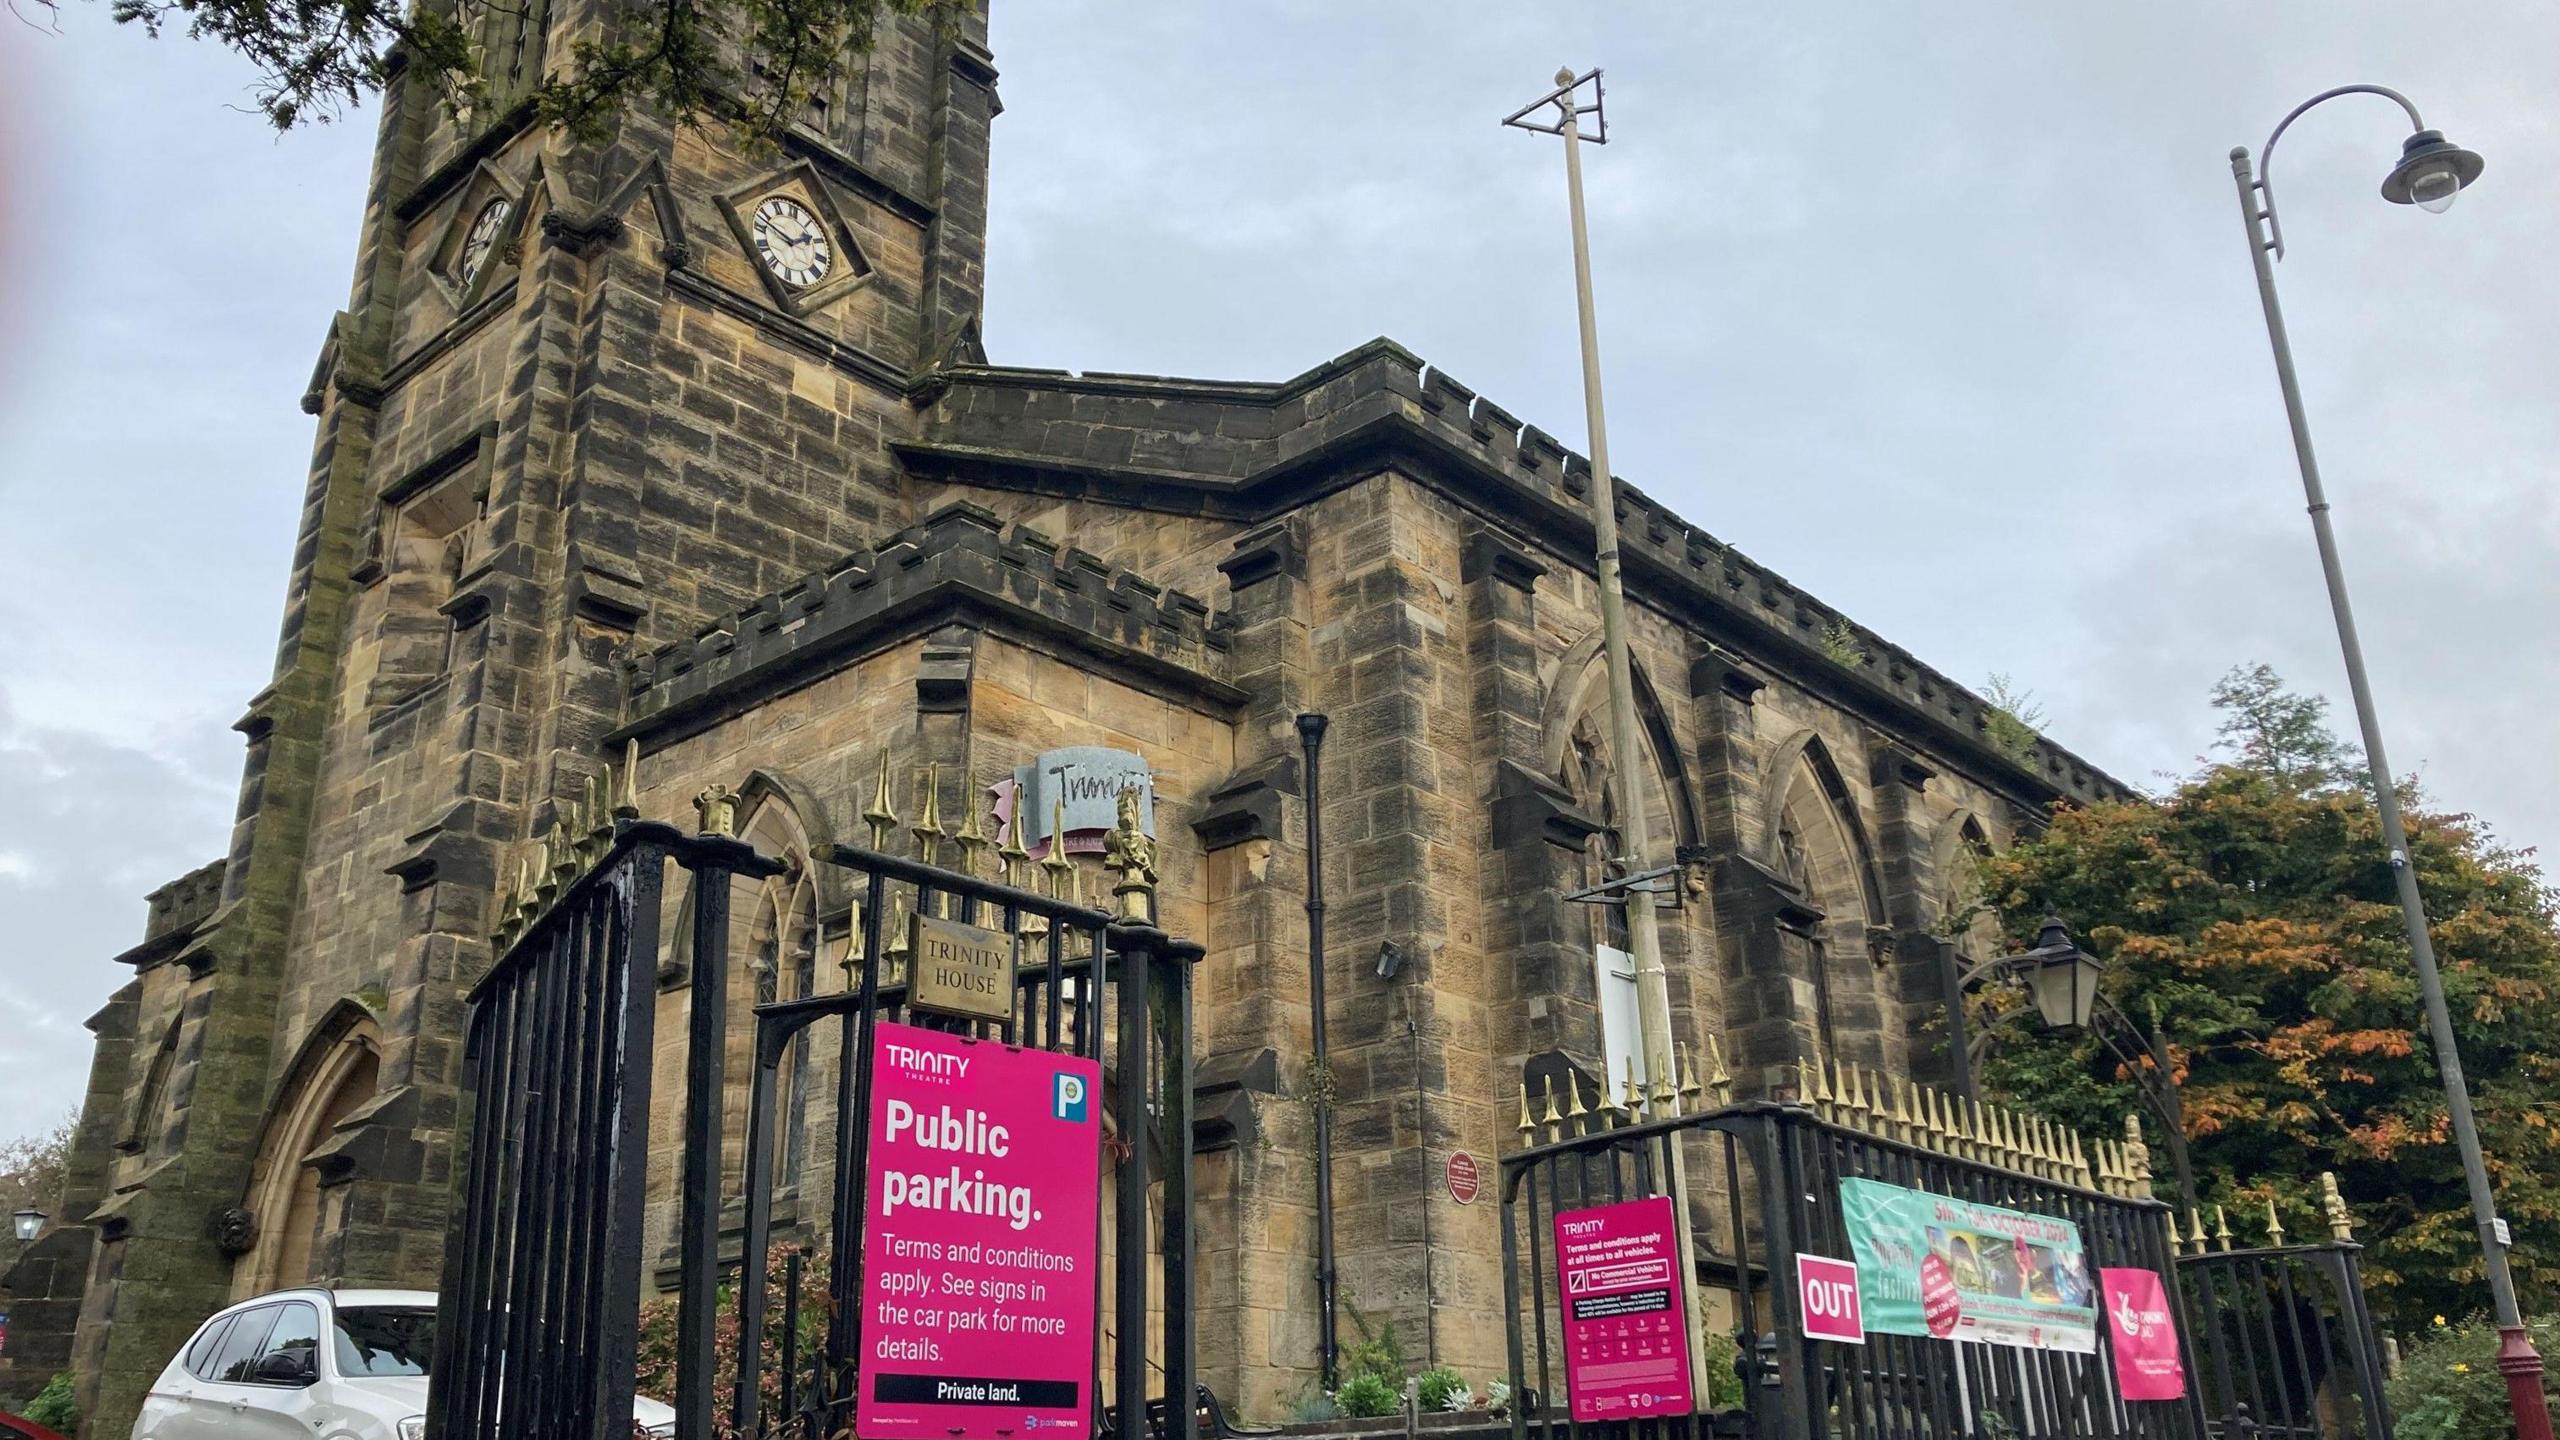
(2062, 980)
(2429, 174)
(1635, 840)
(30, 1224)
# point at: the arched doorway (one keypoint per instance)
(339, 1069)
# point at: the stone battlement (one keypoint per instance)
(1240, 450)
(959, 554)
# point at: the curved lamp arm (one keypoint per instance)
(2266, 180)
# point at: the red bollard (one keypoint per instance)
(2522, 1365)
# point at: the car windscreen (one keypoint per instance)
(385, 1340)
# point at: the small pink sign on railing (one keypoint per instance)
(978, 1243)
(2143, 1335)
(1626, 1353)
(1827, 1292)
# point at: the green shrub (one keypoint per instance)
(2449, 1387)
(1439, 1384)
(53, 1408)
(1311, 1406)
(1724, 1383)
(1366, 1396)
(1379, 1352)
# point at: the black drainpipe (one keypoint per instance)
(1329, 1340)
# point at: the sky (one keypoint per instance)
(1944, 312)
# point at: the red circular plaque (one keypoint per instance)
(1941, 1306)
(1464, 1182)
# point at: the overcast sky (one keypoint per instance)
(1942, 311)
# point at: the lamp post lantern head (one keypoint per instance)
(2432, 170)
(30, 1223)
(2061, 977)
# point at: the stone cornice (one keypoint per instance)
(1249, 452)
(959, 564)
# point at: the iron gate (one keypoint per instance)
(2284, 1343)
(537, 1322)
(1780, 1165)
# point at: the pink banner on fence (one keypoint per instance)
(1626, 1354)
(979, 1239)
(2144, 1335)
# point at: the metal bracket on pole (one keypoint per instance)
(1565, 98)
(1612, 892)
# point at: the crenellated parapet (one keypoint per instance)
(1250, 451)
(959, 559)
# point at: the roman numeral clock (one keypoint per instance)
(795, 239)
(792, 243)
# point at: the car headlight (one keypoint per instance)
(413, 1427)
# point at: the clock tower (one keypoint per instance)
(586, 396)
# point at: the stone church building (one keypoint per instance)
(661, 440)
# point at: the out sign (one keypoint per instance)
(1827, 1290)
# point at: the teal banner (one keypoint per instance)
(1932, 1266)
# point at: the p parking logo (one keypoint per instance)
(1067, 1097)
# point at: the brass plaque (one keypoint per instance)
(956, 969)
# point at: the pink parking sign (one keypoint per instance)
(1626, 1353)
(978, 1246)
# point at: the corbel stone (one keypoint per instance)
(1722, 670)
(1529, 805)
(1248, 805)
(1259, 554)
(1888, 763)
(942, 672)
(605, 593)
(1491, 554)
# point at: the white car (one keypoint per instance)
(313, 1365)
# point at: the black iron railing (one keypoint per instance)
(538, 1319)
(1775, 1172)
(2284, 1343)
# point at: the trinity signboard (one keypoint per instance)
(1626, 1355)
(960, 969)
(1089, 778)
(979, 1242)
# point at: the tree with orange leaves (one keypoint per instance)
(2253, 909)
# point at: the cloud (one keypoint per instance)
(1943, 313)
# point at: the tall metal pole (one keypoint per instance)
(2517, 1359)
(1644, 936)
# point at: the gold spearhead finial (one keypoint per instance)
(505, 912)
(528, 899)
(1573, 1110)
(2333, 1208)
(928, 826)
(2174, 1239)
(2275, 1226)
(882, 817)
(2195, 1231)
(546, 882)
(2222, 1227)
(599, 817)
(1012, 854)
(1528, 1127)
(1554, 1118)
(1900, 1125)
(1822, 1099)
(1632, 1097)
(1056, 863)
(628, 807)
(971, 837)
(1719, 1079)
(1690, 1089)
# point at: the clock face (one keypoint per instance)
(482, 239)
(792, 242)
